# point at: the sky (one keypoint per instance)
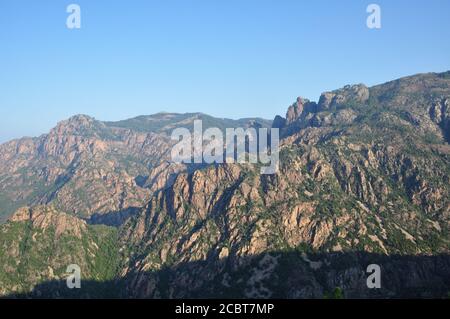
(226, 58)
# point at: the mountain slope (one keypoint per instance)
(38, 244)
(364, 178)
(87, 167)
(361, 171)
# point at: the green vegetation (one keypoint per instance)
(30, 255)
(337, 293)
(166, 122)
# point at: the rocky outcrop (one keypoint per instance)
(349, 94)
(44, 218)
(299, 110)
(304, 113)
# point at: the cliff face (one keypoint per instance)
(364, 178)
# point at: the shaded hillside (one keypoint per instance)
(284, 275)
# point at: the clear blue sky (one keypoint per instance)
(228, 58)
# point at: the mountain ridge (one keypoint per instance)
(362, 171)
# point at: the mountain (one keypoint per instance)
(363, 179)
(96, 169)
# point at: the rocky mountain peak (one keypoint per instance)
(79, 119)
(296, 110)
(304, 112)
(76, 124)
(358, 93)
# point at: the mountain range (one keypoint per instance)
(363, 179)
